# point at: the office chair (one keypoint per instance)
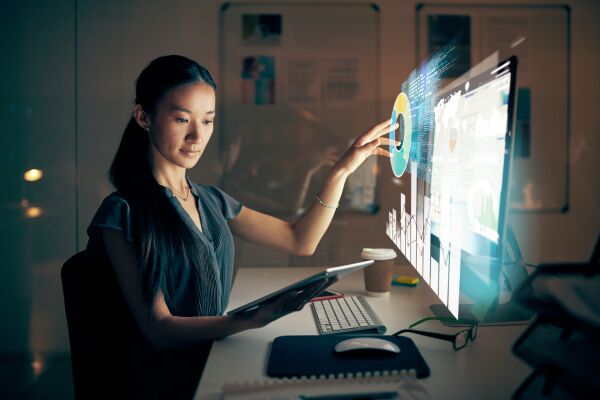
(96, 316)
(109, 355)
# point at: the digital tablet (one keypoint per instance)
(328, 277)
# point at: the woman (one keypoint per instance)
(169, 240)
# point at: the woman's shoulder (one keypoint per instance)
(114, 203)
(114, 212)
(115, 198)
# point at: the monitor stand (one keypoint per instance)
(500, 313)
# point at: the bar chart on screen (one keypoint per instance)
(437, 258)
(437, 263)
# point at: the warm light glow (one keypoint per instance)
(33, 175)
(307, 115)
(33, 212)
(37, 365)
(24, 203)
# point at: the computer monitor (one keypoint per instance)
(470, 173)
(455, 234)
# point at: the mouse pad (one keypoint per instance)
(295, 356)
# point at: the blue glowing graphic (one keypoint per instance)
(399, 159)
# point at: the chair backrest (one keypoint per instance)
(96, 317)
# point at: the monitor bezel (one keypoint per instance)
(509, 145)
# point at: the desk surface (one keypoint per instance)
(486, 368)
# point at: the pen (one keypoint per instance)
(353, 396)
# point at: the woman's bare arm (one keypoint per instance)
(159, 326)
(300, 238)
(303, 236)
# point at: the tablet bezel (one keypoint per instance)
(328, 276)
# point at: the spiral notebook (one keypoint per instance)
(395, 385)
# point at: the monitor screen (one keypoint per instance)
(470, 169)
(453, 231)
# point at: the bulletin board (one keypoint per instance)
(539, 36)
(298, 83)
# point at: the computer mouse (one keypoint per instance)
(369, 345)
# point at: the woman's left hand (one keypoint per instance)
(367, 144)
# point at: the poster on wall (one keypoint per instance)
(303, 82)
(341, 81)
(258, 80)
(261, 29)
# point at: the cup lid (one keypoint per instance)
(378, 254)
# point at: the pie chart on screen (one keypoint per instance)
(399, 159)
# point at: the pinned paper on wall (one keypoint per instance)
(261, 29)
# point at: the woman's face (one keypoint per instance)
(183, 124)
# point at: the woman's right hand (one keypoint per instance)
(283, 305)
(366, 145)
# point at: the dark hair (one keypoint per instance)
(159, 233)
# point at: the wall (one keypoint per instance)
(38, 116)
(70, 67)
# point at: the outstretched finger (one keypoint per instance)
(379, 130)
(381, 152)
(383, 125)
(384, 130)
(390, 141)
(387, 131)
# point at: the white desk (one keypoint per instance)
(486, 368)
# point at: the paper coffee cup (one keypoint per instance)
(378, 276)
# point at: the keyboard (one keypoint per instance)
(345, 314)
